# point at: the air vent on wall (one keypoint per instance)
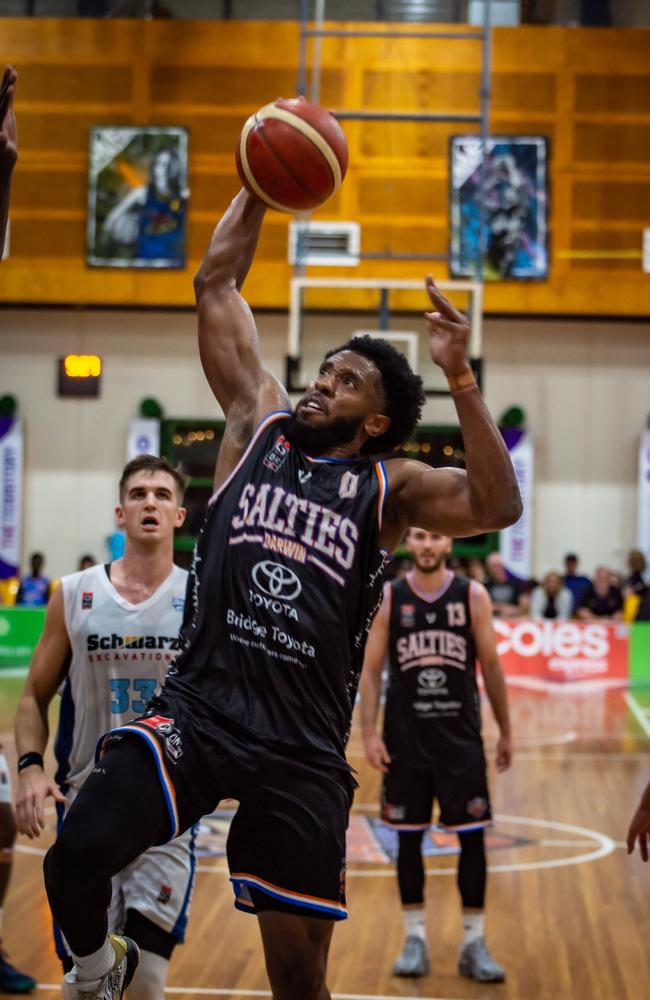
(328, 243)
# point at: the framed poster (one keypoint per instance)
(515, 198)
(137, 197)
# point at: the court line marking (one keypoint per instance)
(209, 991)
(606, 845)
(638, 712)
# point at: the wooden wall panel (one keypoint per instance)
(588, 91)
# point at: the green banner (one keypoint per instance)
(20, 630)
(640, 653)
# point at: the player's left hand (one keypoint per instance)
(504, 753)
(8, 132)
(448, 332)
(639, 830)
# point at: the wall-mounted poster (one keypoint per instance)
(137, 197)
(515, 197)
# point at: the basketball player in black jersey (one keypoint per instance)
(285, 582)
(434, 626)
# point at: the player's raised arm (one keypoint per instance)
(228, 340)
(8, 146)
(47, 670)
(454, 502)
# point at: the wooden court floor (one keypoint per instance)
(568, 912)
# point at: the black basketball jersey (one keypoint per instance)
(432, 702)
(286, 579)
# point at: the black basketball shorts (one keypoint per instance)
(460, 788)
(286, 845)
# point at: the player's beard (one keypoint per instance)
(316, 440)
(430, 567)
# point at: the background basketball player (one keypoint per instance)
(110, 634)
(434, 626)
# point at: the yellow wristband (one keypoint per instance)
(465, 380)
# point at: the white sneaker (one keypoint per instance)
(414, 960)
(476, 962)
(114, 983)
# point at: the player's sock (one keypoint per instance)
(150, 978)
(95, 966)
(414, 924)
(473, 926)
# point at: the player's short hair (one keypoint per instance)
(152, 463)
(402, 388)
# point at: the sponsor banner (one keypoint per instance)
(144, 438)
(536, 653)
(643, 494)
(640, 653)
(516, 542)
(20, 630)
(11, 489)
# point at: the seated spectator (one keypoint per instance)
(507, 593)
(601, 599)
(572, 580)
(476, 570)
(643, 610)
(86, 561)
(34, 590)
(551, 599)
(635, 582)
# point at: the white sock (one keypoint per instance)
(91, 968)
(414, 925)
(473, 925)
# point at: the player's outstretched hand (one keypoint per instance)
(34, 788)
(640, 826)
(448, 332)
(8, 132)
(504, 753)
(376, 752)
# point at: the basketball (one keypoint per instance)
(292, 154)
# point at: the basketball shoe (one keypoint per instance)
(475, 962)
(13, 981)
(414, 960)
(116, 980)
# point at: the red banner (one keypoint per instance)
(536, 653)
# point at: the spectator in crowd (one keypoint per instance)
(635, 582)
(576, 583)
(507, 593)
(643, 610)
(86, 561)
(115, 542)
(34, 590)
(551, 599)
(601, 599)
(476, 570)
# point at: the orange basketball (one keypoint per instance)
(292, 154)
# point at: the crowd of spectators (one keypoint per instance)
(33, 590)
(560, 596)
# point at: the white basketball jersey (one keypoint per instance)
(120, 654)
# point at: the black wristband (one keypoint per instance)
(28, 759)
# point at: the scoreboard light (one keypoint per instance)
(79, 375)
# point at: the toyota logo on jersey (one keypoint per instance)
(276, 580)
